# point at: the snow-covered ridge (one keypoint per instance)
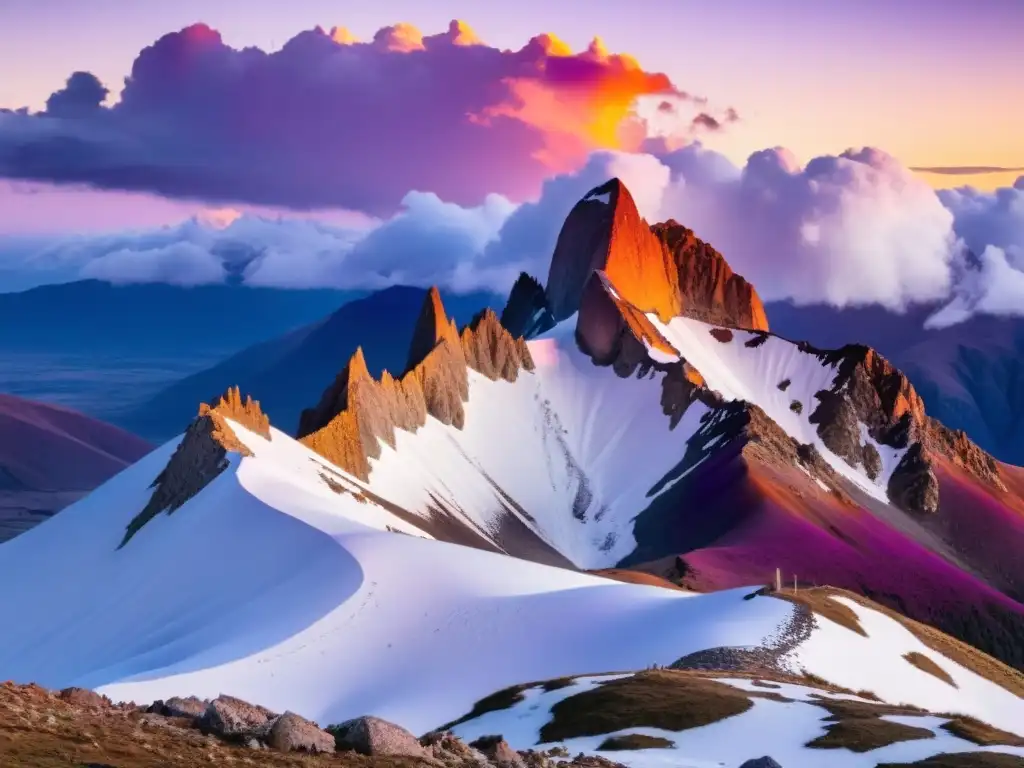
(272, 586)
(780, 376)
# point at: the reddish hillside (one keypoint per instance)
(49, 456)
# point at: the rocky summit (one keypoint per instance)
(664, 269)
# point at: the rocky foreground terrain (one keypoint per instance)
(40, 728)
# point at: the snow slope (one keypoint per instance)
(757, 372)
(271, 586)
(778, 729)
(574, 445)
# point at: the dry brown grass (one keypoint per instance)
(857, 725)
(848, 709)
(664, 699)
(819, 600)
(558, 683)
(925, 664)
(634, 741)
(867, 733)
(637, 577)
(982, 734)
(963, 760)
(506, 698)
(965, 655)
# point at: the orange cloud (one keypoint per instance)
(579, 101)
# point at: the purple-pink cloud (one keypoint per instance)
(327, 121)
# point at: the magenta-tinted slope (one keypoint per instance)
(733, 522)
(50, 448)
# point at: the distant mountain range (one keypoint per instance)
(162, 320)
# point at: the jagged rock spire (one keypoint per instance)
(432, 327)
(527, 312)
(663, 269)
(357, 412)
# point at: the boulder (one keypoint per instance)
(291, 733)
(498, 751)
(83, 697)
(373, 736)
(176, 706)
(233, 718)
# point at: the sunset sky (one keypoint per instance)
(393, 119)
(936, 84)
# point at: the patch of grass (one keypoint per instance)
(819, 600)
(663, 699)
(848, 709)
(634, 741)
(814, 680)
(857, 725)
(925, 664)
(558, 683)
(982, 734)
(963, 760)
(506, 698)
(763, 684)
(796, 406)
(866, 694)
(864, 734)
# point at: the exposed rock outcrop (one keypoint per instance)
(708, 288)
(913, 486)
(83, 697)
(527, 312)
(235, 719)
(201, 455)
(291, 733)
(177, 706)
(491, 350)
(374, 736)
(613, 331)
(604, 231)
(869, 390)
(356, 411)
(664, 269)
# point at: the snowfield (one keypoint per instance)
(272, 587)
(773, 728)
(574, 445)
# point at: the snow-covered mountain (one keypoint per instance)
(423, 543)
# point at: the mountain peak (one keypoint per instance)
(202, 454)
(432, 327)
(246, 412)
(605, 231)
(357, 412)
(662, 269)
